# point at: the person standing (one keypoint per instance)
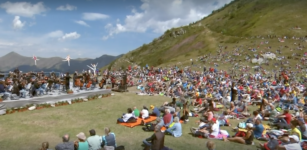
(67, 81)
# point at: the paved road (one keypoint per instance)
(47, 98)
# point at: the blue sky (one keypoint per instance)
(91, 28)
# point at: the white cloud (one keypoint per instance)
(160, 15)
(67, 7)
(24, 9)
(80, 22)
(94, 16)
(70, 36)
(55, 34)
(17, 24)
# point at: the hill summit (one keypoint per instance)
(239, 34)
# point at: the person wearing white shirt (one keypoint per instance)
(144, 112)
(126, 116)
(215, 129)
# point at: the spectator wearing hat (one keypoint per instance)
(66, 145)
(292, 142)
(94, 140)
(155, 111)
(82, 144)
(248, 139)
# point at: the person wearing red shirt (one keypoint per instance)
(167, 118)
(283, 121)
(197, 102)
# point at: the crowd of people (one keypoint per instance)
(206, 93)
(18, 85)
(93, 142)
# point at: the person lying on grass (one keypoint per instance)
(126, 116)
(208, 130)
(248, 139)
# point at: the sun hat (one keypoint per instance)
(81, 136)
(295, 138)
(249, 125)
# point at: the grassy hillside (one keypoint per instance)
(236, 28)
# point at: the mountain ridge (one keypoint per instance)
(13, 60)
(227, 36)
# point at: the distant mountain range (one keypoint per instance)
(13, 60)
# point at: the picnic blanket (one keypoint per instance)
(139, 121)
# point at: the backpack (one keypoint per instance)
(131, 120)
(150, 126)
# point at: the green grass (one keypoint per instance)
(228, 26)
(27, 130)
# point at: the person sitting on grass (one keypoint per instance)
(293, 143)
(248, 139)
(288, 142)
(282, 121)
(155, 111)
(208, 116)
(108, 139)
(197, 102)
(66, 145)
(151, 126)
(223, 119)
(210, 145)
(136, 112)
(45, 146)
(94, 140)
(268, 109)
(258, 129)
(82, 144)
(294, 130)
(156, 141)
(126, 116)
(167, 118)
(176, 129)
(144, 113)
(302, 127)
(177, 112)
